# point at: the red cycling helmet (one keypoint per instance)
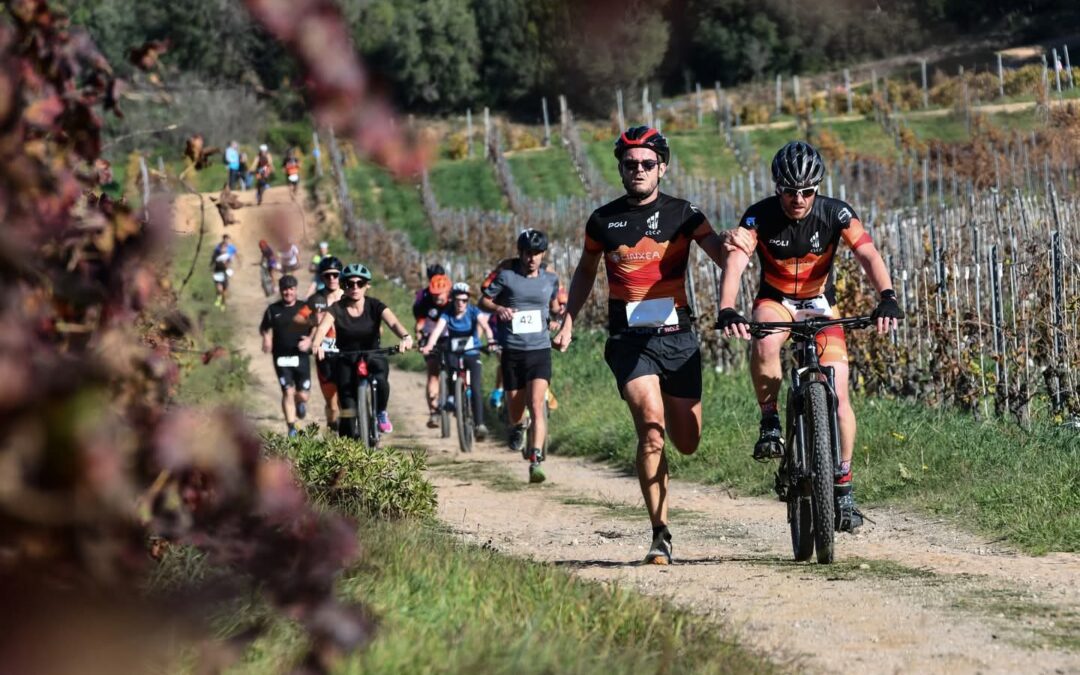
(643, 137)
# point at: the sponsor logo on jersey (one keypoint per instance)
(845, 215)
(751, 221)
(779, 242)
(616, 224)
(652, 225)
(694, 208)
(633, 256)
(815, 242)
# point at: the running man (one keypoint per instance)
(282, 338)
(221, 262)
(264, 169)
(291, 165)
(796, 233)
(431, 303)
(524, 298)
(644, 239)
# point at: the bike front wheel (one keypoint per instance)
(444, 414)
(819, 437)
(365, 420)
(801, 522)
(463, 412)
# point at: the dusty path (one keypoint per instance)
(914, 595)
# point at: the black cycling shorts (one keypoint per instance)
(675, 358)
(518, 367)
(294, 376)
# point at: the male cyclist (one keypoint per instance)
(644, 239)
(282, 338)
(464, 323)
(310, 315)
(221, 261)
(524, 297)
(431, 303)
(796, 233)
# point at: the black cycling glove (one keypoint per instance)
(888, 307)
(728, 318)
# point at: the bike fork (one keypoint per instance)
(834, 421)
(799, 437)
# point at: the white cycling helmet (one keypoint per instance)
(263, 148)
(459, 288)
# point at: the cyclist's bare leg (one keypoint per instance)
(646, 404)
(329, 391)
(432, 385)
(288, 405)
(843, 410)
(535, 395)
(765, 370)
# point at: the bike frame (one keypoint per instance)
(365, 376)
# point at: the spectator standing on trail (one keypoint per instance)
(221, 261)
(644, 239)
(524, 297)
(282, 338)
(232, 164)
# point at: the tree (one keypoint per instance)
(517, 59)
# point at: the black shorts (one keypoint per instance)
(676, 358)
(294, 376)
(518, 367)
(327, 368)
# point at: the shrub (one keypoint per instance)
(283, 136)
(521, 138)
(343, 474)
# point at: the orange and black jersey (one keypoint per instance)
(797, 255)
(646, 249)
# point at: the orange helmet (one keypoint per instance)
(439, 284)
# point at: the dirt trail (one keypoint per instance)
(922, 597)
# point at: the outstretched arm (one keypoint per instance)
(580, 287)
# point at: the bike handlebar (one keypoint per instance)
(382, 351)
(807, 328)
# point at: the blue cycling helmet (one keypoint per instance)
(356, 270)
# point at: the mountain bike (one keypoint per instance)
(459, 387)
(811, 462)
(367, 427)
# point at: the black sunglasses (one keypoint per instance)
(805, 193)
(631, 165)
(355, 283)
(330, 275)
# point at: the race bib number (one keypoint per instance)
(526, 322)
(219, 277)
(651, 313)
(809, 307)
(462, 344)
(288, 362)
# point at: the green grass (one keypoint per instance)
(947, 128)
(444, 606)
(224, 378)
(397, 204)
(1050, 625)
(767, 141)
(991, 476)
(600, 153)
(545, 174)
(1024, 120)
(466, 183)
(496, 476)
(704, 154)
(864, 137)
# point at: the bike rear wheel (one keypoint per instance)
(444, 414)
(463, 412)
(821, 459)
(365, 420)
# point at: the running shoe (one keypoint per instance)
(481, 432)
(536, 474)
(293, 433)
(517, 438)
(301, 409)
(385, 426)
(770, 443)
(660, 551)
(848, 516)
(433, 421)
